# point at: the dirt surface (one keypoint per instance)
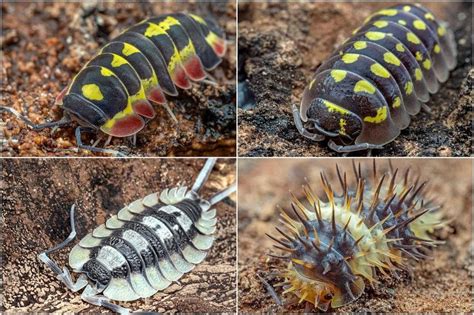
(442, 284)
(45, 44)
(36, 195)
(280, 47)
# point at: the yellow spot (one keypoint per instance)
(413, 38)
(381, 24)
(402, 22)
(388, 12)
(350, 58)
(399, 47)
(331, 107)
(364, 86)
(167, 23)
(391, 58)
(427, 64)
(418, 74)
(409, 87)
(406, 8)
(117, 61)
(437, 49)
(338, 75)
(441, 31)
(360, 45)
(375, 35)
(342, 124)
(92, 92)
(312, 83)
(396, 102)
(419, 25)
(419, 56)
(379, 70)
(429, 16)
(154, 30)
(129, 49)
(106, 72)
(379, 117)
(212, 38)
(198, 19)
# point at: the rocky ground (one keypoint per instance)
(442, 284)
(36, 195)
(45, 44)
(280, 47)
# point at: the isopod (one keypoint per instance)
(335, 244)
(146, 246)
(364, 94)
(113, 91)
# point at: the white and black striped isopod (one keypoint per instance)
(142, 249)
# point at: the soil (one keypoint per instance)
(45, 44)
(36, 196)
(441, 284)
(280, 47)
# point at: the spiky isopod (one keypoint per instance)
(113, 92)
(363, 95)
(332, 247)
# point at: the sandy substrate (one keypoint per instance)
(280, 47)
(36, 195)
(441, 284)
(45, 45)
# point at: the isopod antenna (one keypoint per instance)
(204, 174)
(223, 194)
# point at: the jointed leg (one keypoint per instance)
(270, 290)
(64, 274)
(301, 129)
(353, 148)
(90, 295)
(79, 131)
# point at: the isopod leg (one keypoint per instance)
(301, 129)
(90, 295)
(62, 122)
(64, 274)
(270, 290)
(353, 147)
(80, 130)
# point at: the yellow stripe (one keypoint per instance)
(379, 117)
(129, 49)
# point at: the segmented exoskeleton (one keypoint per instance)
(372, 225)
(146, 246)
(364, 94)
(113, 91)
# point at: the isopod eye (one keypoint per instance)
(328, 296)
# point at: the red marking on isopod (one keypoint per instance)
(144, 108)
(219, 47)
(59, 98)
(194, 69)
(125, 127)
(156, 95)
(180, 78)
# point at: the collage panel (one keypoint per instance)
(333, 78)
(139, 79)
(168, 243)
(339, 235)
